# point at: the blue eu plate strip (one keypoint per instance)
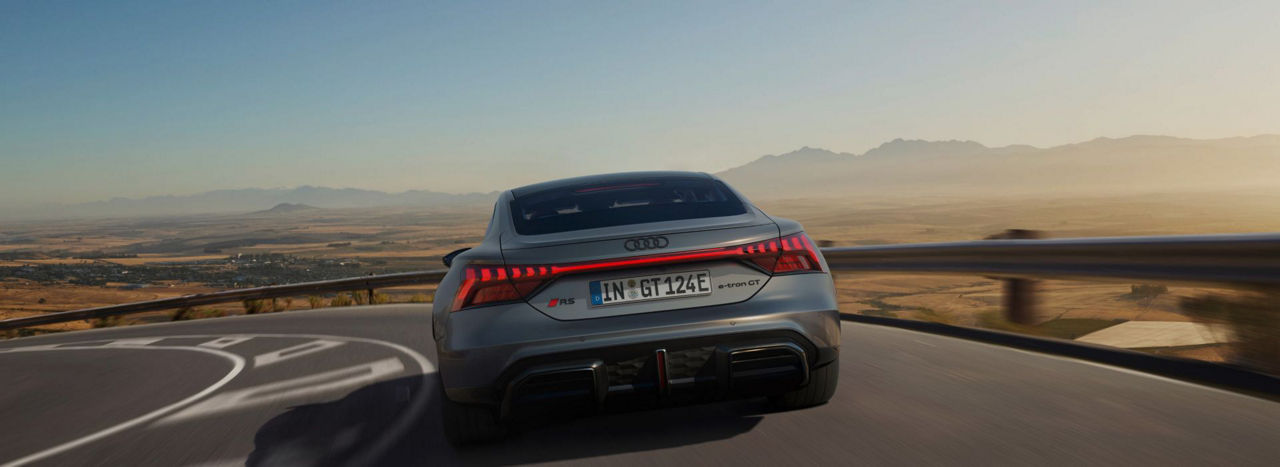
(595, 293)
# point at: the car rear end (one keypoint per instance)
(632, 289)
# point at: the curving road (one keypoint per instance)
(356, 386)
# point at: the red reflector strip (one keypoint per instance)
(614, 187)
(663, 381)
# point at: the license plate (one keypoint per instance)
(654, 287)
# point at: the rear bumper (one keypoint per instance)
(639, 375)
(500, 355)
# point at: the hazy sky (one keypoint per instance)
(112, 98)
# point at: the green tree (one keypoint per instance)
(1146, 291)
(253, 307)
(1254, 322)
(181, 314)
(105, 322)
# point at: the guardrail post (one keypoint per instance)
(1020, 301)
(1019, 294)
(828, 244)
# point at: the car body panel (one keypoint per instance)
(478, 349)
(725, 289)
(477, 346)
(522, 250)
(575, 287)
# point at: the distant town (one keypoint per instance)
(235, 271)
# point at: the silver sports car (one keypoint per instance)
(636, 289)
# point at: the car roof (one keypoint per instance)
(620, 177)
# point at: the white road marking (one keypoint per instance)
(296, 388)
(368, 456)
(1140, 334)
(237, 365)
(294, 352)
(33, 348)
(222, 463)
(224, 342)
(135, 342)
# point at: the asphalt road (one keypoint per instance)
(357, 386)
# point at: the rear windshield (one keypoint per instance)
(622, 203)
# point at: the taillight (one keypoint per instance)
(792, 253)
(482, 285)
(798, 255)
(487, 284)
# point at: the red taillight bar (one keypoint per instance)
(484, 284)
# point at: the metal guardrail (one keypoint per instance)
(1231, 260)
(1251, 260)
(226, 296)
(1018, 258)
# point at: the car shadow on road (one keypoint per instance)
(345, 431)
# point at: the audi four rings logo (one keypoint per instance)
(646, 243)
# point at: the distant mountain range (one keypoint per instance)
(1134, 164)
(261, 201)
(1103, 166)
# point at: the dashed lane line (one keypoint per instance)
(135, 342)
(224, 342)
(296, 351)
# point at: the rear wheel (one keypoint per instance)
(465, 424)
(821, 387)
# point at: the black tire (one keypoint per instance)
(467, 424)
(821, 387)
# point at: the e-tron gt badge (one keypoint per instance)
(646, 243)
